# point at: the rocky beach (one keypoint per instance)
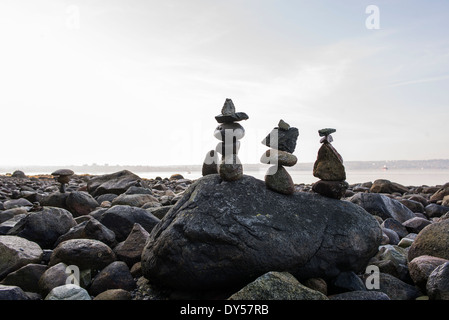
(122, 237)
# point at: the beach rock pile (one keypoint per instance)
(282, 142)
(96, 229)
(118, 236)
(229, 132)
(329, 168)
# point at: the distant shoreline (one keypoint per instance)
(93, 169)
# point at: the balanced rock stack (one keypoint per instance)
(329, 168)
(229, 132)
(282, 141)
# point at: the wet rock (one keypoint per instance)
(277, 286)
(416, 224)
(68, 292)
(397, 289)
(433, 240)
(329, 164)
(27, 277)
(16, 252)
(114, 294)
(12, 293)
(278, 157)
(331, 189)
(382, 206)
(116, 183)
(231, 168)
(121, 219)
(434, 210)
(84, 253)
(53, 277)
(438, 283)
(386, 186)
(134, 200)
(114, 276)
(286, 139)
(90, 229)
(130, 250)
(421, 267)
(44, 227)
(81, 203)
(279, 180)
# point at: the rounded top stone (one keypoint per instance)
(63, 172)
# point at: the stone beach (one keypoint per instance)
(122, 237)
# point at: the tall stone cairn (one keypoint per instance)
(329, 168)
(282, 143)
(229, 132)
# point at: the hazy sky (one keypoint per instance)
(140, 82)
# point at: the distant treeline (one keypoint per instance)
(349, 165)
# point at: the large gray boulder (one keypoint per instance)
(116, 183)
(382, 206)
(121, 219)
(44, 227)
(16, 252)
(222, 234)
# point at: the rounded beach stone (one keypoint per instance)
(231, 168)
(228, 149)
(68, 292)
(210, 164)
(331, 189)
(279, 180)
(282, 158)
(229, 132)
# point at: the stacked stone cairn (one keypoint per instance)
(229, 132)
(329, 168)
(282, 143)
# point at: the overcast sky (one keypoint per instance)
(140, 82)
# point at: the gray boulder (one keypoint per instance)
(114, 276)
(223, 234)
(396, 289)
(116, 183)
(433, 240)
(68, 292)
(90, 229)
(421, 267)
(434, 210)
(84, 253)
(438, 283)
(277, 286)
(53, 277)
(81, 203)
(382, 206)
(121, 219)
(44, 227)
(16, 252)
(16, 203)
(12, 293)
(27, 277)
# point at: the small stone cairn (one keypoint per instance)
(282, 143)
(329, 168)
(229, 132)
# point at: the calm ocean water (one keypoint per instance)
(405, 177)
